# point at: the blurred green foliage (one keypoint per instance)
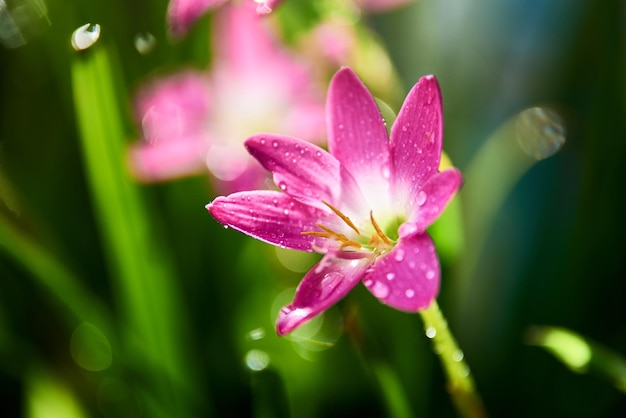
(188, 326)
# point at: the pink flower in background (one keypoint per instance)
(182, 14)
(365, 204)
(196, 121)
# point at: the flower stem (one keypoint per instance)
(460, 382)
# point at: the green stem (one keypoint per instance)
(460, 382)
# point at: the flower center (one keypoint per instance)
(378, 242)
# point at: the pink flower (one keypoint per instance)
(365, 205)
(182, 14)
(193, 121)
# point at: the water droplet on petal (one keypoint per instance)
(380, 290)
(386, 171)
(282, 186)
(225, 226)
(430, 274)
(421, 198)
(286, 212)
(409, 293)
(329, 282)
(399, 256)
(275, 144)
(391, 276)
(262, 141)
(431, 332)
(318, 154)
(85, 36)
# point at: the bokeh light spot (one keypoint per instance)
(90, 348)
(540, 132)
(257, 360)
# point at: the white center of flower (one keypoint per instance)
(377, 242)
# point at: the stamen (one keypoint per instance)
(379, 231)
(343, 217)
(330, 234)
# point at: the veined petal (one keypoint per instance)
(182, 14)
(357, 136)
(270, 216)
(407, 278)
(416, 138)
(428, 203)
(306, 172)
(325, 284)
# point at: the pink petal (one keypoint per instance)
(357, 136)
(266, 6)
(428, 203)
(407, 278)
(173, 107)
(416, 137)
(166, 160)
(254, 177)
(270, 216)
(249, 54)
(325, 284)
(182, 14)
(242, 40)
(306, 172)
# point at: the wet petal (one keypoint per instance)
(357, 136)
(325, 284)
(306, 171)
(182, 14)
(407, 278)
(428, 203)
(270, 216)
(416, 137)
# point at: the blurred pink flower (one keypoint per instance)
(193, 121)
(365, 204)
(182, 14)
